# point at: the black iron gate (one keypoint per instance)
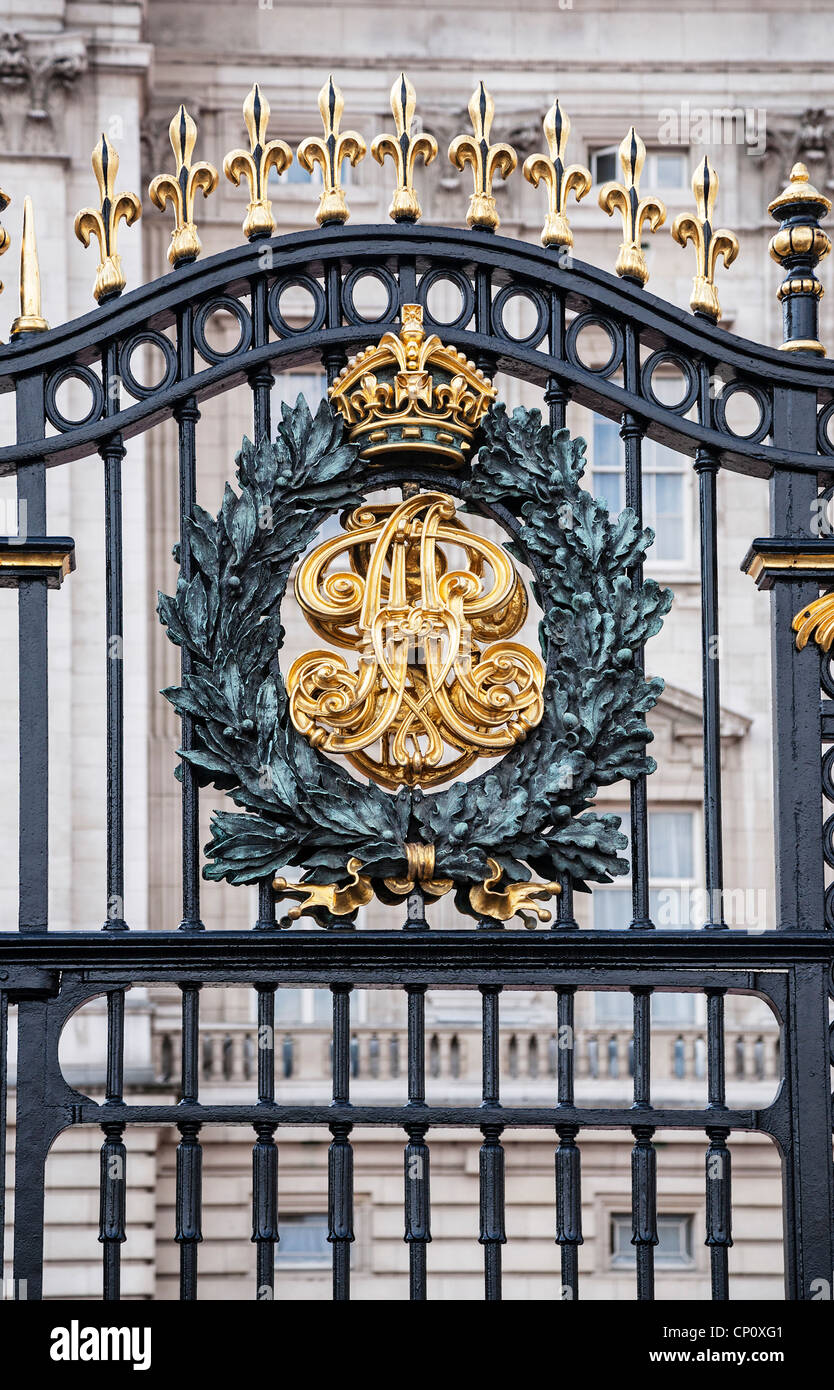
(49, 975)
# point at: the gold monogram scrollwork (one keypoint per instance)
(424, 692)
(815, 620)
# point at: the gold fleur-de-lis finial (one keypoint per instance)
(30, 318)
(709, 244)
(404, 149)
(5, 239)
(180, 189)
(559, 180)
(485, 159)
(103, 223)
(329, 153)
(255, 163)
(625, 199)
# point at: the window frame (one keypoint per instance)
(682, 565)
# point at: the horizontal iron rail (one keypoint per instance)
(445, 957)
(155, 306)
(433, 1116)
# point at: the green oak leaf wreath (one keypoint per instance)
(532, 811)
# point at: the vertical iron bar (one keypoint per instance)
(262, 381)
(491, 1156)
(417, 1157)
(642, 1005)
(340, 1154)
(631, 433)
(33, 715)
(4, 1073)
(568, 1159)
(333, 358)
(557, 397)
(113, 1174)
(706, 466)
(189, 1195)
(264, 1153)
(187, 415)
(112, 452)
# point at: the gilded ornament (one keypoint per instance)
(329, 153)
(30, 319)
(404, 149)
(625, 199)
(424, 695)
(559, 180)
(709, 244)
(180, 189)
(5, 239)
(815, 620)
(489, 900)
(341, 900)
(254, 165)
(103, 222)
(485, 160)
(411, 393)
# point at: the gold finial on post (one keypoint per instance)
(709, 244)
(486, 160)
(103, 223)
(5, 239)
(329, 153)
(255, 163)
(560, 181)
(404, 149)
(180, 189)
(30, 319)
(625, 199)
(799, 246)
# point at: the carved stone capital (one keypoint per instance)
(36, 72)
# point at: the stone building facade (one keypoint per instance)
(747, 84)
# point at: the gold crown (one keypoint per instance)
(412, 392)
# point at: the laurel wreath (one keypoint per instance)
(533, 811)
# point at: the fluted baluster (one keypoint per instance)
(491, 1157)
(189, 1152)
(718, 1159)
(113, 1175)
(417, 1157)
(644, 1208)
(568, 1158)
(340, 1153)
(264, 1152)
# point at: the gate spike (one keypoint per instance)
(30, 319)
(329, 153)
(4, 236)
(486, 160)
(625, 199)
(255, 163)
(559, 180)
(404, 149)
(709, 244)
(103, 222)
(180, 189)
